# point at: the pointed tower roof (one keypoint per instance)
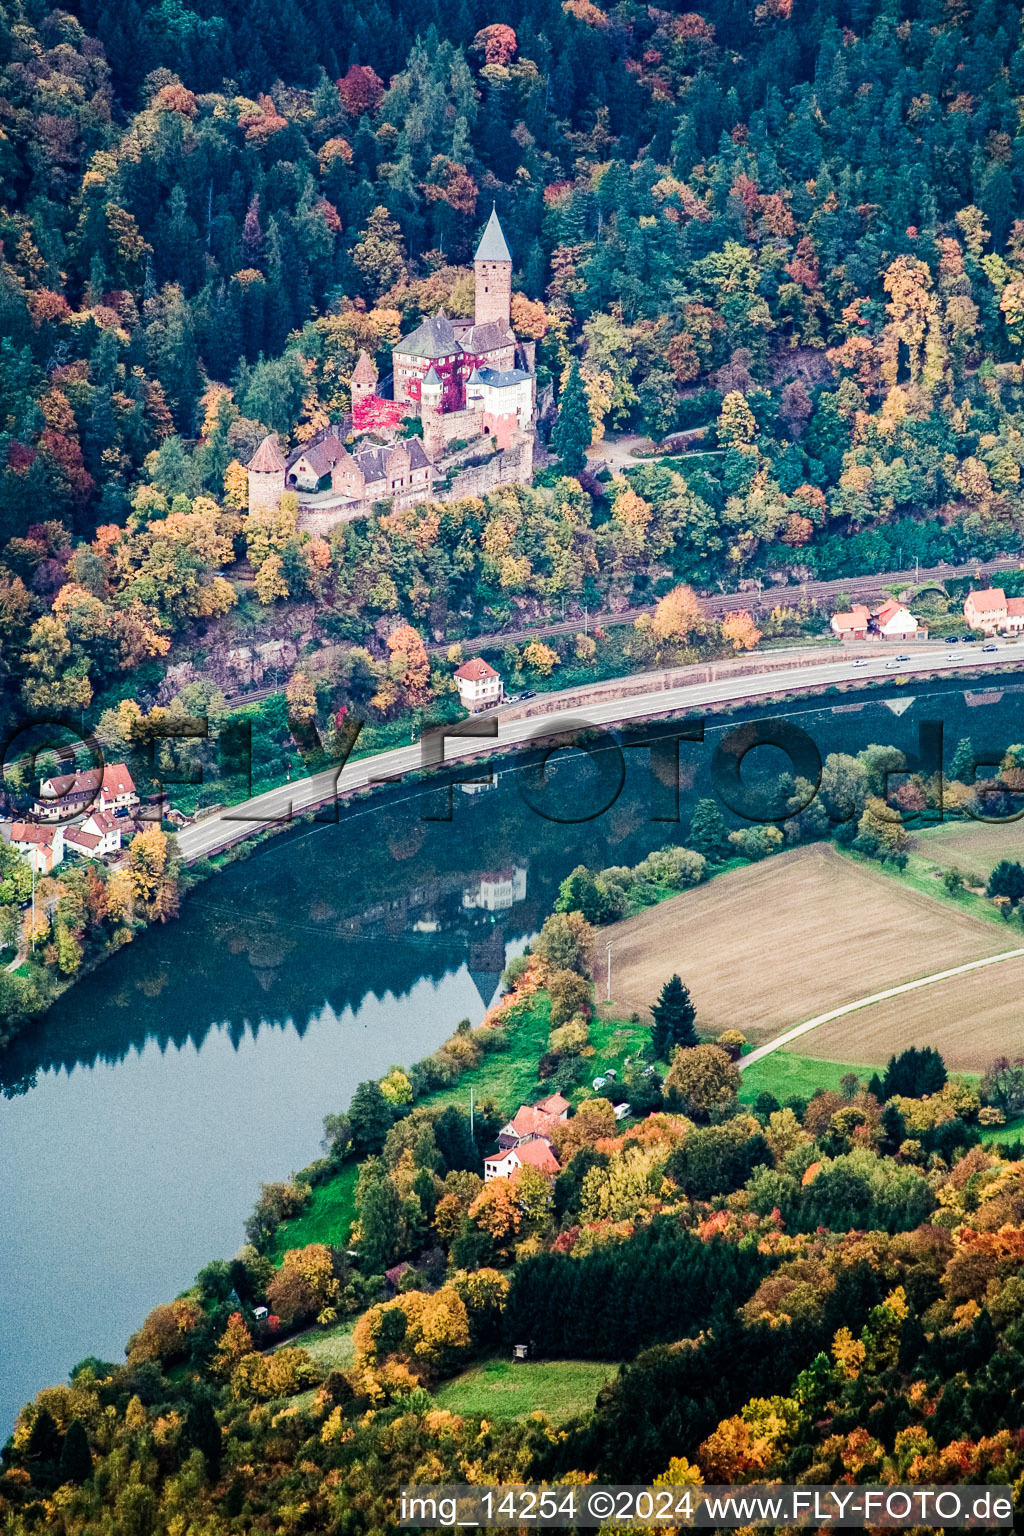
(492, 246)
(474, 377)
(432, 377)
(268, 458)
(364, 371)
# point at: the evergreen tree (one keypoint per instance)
(75, 1457)
(370, 1116)
(707, 829)
(202, 1433)
(961, 768)
(914, 1074)
(574, 428)
(380, 1224)
(674, 1018)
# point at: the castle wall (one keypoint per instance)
(513, 466)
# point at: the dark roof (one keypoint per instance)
(374, 462)
(492, 246)
(498, 380)
(488, 337)
(431, 338)
(321, 452)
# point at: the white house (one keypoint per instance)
(534, 1152)
(98, 835)
(42, 847)
(851, 625)
(480, 687)
(894, 621)
(497, 892)
(105, 826)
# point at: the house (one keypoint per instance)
(533, 1120)
(496, 892)
(532, 1152)
(85, 843)
(852, 625)
(110, 788)
(480, 687)
(991, 611)
(107, 827)
(96, 837)
(42, 847)
(621, 1111)
(894, 621)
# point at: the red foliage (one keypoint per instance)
(361, 90)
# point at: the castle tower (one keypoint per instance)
(266, 474)
(431, 394)
(364, 379)
(492, 268)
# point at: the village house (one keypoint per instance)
(991, 611)
(852, 625)
(480, 687)
(533, 1120)
(41, 847)
(111, 788)
(531, 1152)
(892, 621)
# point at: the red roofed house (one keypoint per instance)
(533, 1120)
(105, 826)
(991, 611)
(480, 687)
(534, 1152)
(112, 789)
(852, 625)
(86, 843)
(894, 621)
(43, 847)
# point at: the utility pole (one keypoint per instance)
(608, 953)
(471, 1113)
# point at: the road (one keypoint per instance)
(552, 713)
(789, 1035)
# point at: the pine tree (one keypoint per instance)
(674, 1019)
(707, 829)
(573, 429)
(75, 1456)
(961, 769)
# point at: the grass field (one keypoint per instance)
(331, 1348)
(788, 1076)
(504, 1389)
(767, 945)
(326, 1219)
(973, 847)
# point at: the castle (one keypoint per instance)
(470, 382)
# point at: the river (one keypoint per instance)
(141, 1116)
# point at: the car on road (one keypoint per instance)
(952, 639)
(990, 647)
(902, 658)
(528, 693)
(862, 661)
(892, 666)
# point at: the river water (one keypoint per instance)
(141, 1116)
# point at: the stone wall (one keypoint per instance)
(513, 466)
